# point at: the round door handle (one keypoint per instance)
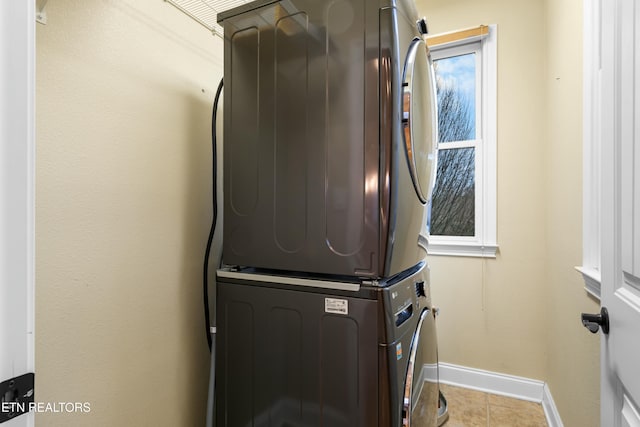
(593, 322)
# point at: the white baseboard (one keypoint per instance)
(550, 410)
(502, 384)
(492, 382)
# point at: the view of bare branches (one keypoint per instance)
(453, 201)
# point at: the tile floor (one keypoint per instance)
(470, 408)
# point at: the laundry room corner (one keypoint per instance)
(123, 206)
(483, 300)
(519, 314)
(123, 185)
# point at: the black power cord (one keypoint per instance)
(207, 253)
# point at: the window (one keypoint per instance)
(463, 205)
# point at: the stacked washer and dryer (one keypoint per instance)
(323, 308)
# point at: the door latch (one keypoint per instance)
(16, 395)
(593, 322)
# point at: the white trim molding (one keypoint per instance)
(591, 277)
(550, 409)
(463, 249)
(17, 193)
(492, 382)
(591, 143)
(502, 384)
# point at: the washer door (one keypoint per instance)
(419, 118)
(420, 401)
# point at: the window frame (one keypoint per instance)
(484, 242)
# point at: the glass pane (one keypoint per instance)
(456, 86)
(453, 201)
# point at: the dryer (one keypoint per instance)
(329, 136)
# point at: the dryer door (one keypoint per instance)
(420, 402)
(419, 118)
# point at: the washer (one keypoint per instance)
(329, 136)
(299, 351)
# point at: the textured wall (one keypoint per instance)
(124, 92)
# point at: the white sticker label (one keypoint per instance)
(335, 305)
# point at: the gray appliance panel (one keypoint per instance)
(284, 360)
(411, 351)
(315, 174)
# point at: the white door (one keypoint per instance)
(17, 53)
(620, 226)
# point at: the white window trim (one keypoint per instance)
(592, 114)
(484, 243)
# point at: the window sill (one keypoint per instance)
(592, 280)
(474, 250)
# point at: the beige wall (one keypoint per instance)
(124, 92)
(488, 307)
(573, 353)
(519, 314)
